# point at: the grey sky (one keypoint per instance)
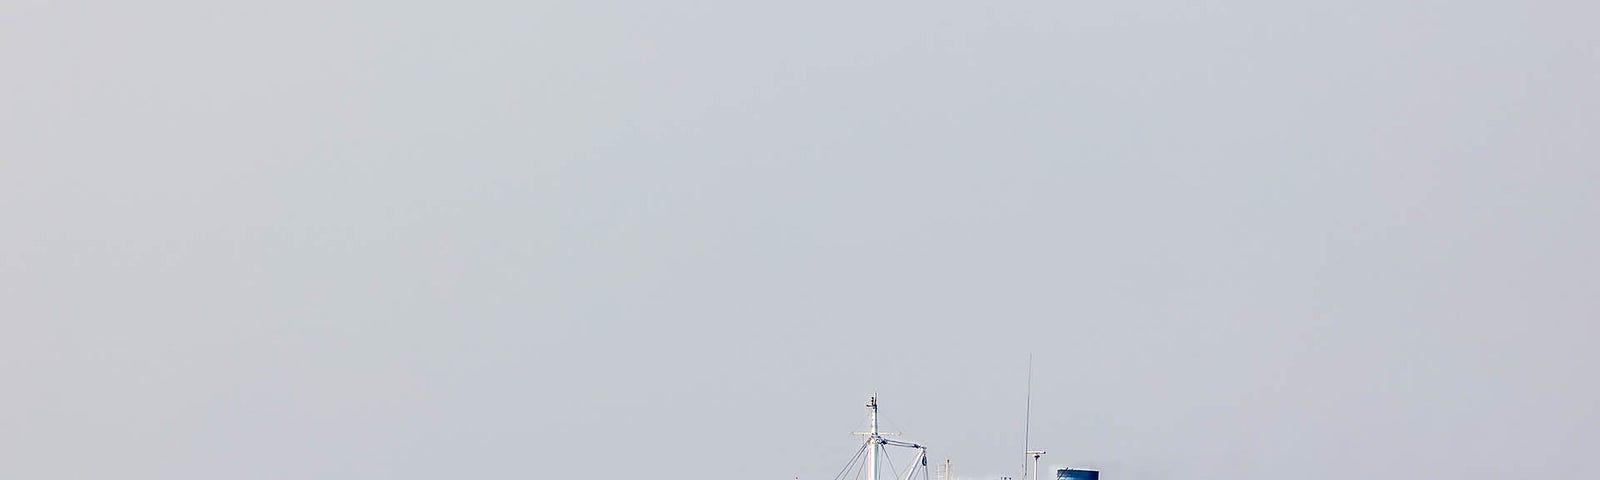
(396, 240)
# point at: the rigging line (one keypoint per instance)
(847, 465)
(861, 469)
(895, 426)
(852, 461)
(890, 461)
(910, 470)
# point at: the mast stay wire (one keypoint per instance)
(852, 461)
(889, 460)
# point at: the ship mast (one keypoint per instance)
(876, 442)
(873, 439)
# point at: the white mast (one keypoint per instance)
(872, 438)
(875, 442)
(1036, 454)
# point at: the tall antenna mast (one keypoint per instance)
(1027, 420)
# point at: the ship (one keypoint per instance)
(874, 451)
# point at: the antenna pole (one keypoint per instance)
(1027, 420)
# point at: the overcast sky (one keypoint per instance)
(686, 239)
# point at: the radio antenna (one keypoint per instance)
(1027, 420)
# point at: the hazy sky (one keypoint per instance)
(686, 239)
